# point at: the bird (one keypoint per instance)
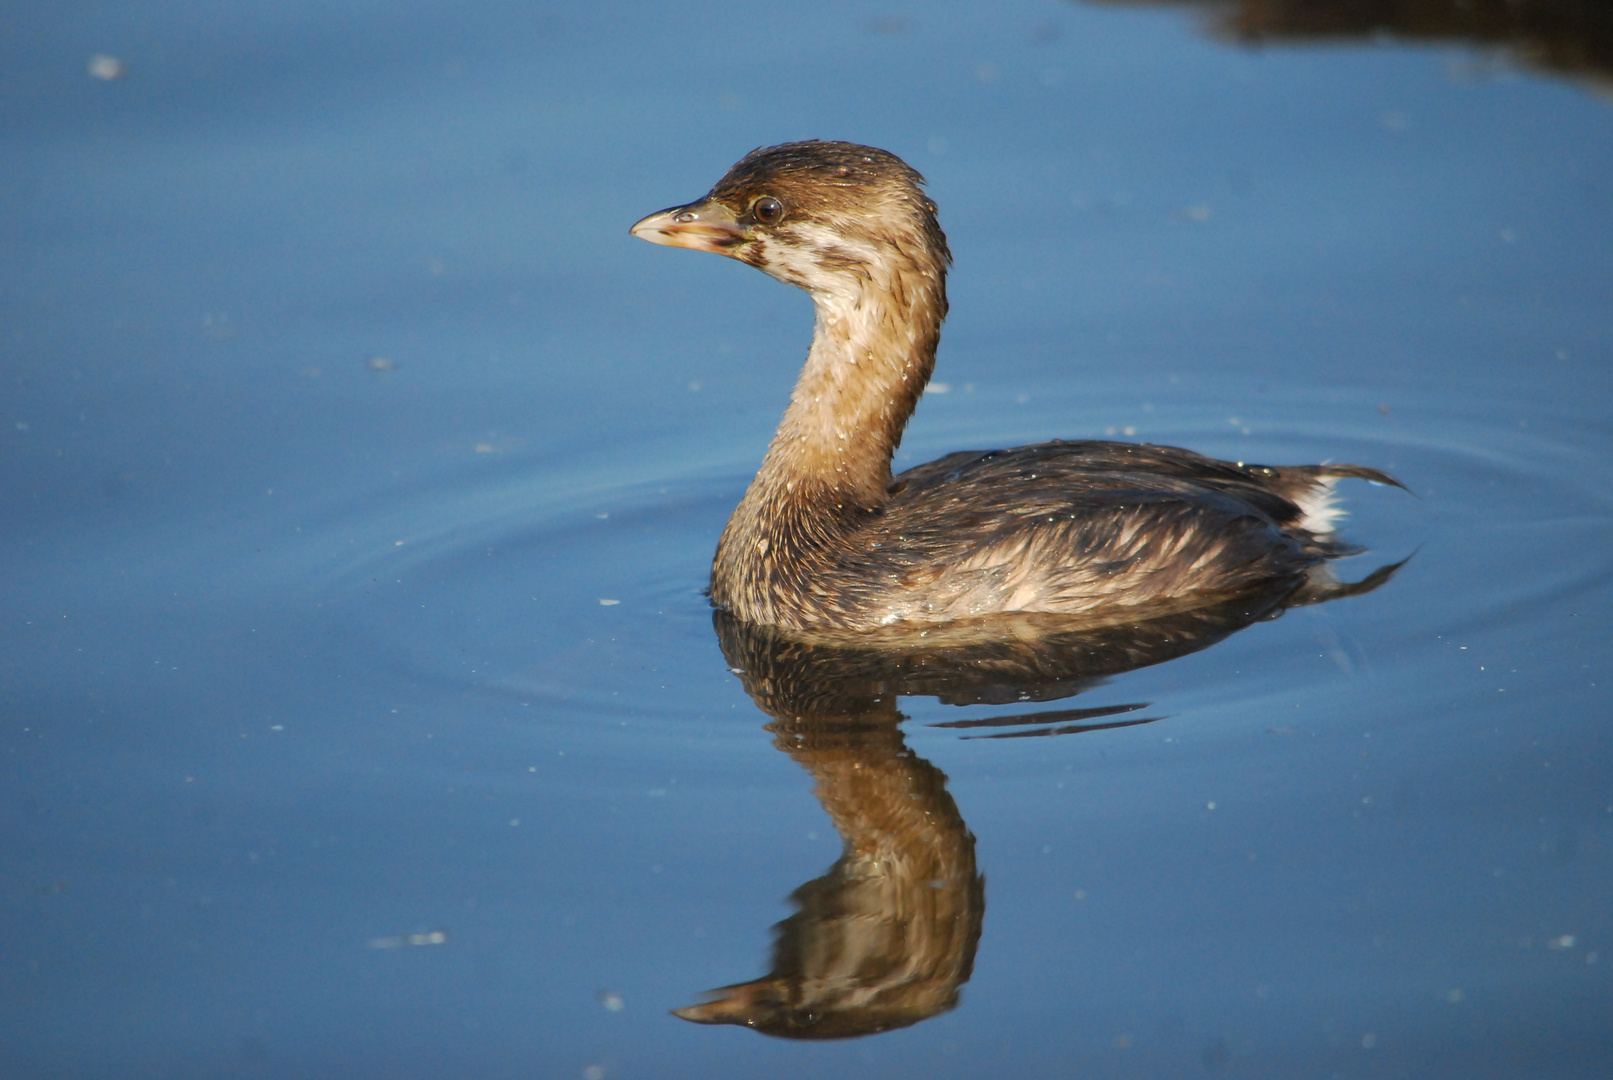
(827, 540)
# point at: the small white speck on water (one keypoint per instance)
(107, 68)
(608, 603)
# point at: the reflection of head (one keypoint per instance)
(886, 937)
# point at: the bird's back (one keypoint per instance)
(1079, 527)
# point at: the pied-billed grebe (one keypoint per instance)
(826, 539)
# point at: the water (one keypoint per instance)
(362, 713)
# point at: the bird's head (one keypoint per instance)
(828, 217)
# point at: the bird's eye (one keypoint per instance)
(767, 209)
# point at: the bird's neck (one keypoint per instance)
(828, 467)
(872, 355)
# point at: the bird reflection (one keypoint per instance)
(888, 935)
(1560, 37)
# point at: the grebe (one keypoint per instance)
(826, 539)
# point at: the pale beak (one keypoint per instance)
(701, 226)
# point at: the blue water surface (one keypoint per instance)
(361, 714)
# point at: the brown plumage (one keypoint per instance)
(826, 539)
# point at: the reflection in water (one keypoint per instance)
(1567, 37)
(886, 937)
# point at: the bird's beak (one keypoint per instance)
(700, 226)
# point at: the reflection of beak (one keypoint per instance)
(730, 1009)
(702, 226)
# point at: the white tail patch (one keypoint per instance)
(1320, 507)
